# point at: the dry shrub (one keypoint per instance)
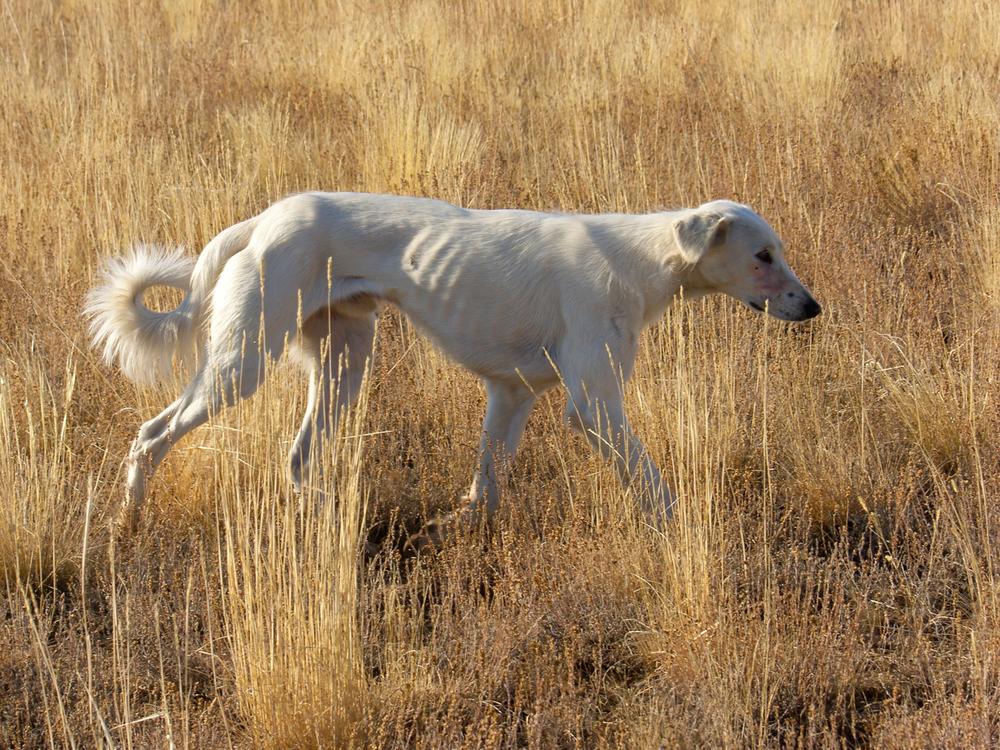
(291, 590)
(46, 500)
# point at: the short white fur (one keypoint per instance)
(525, 300)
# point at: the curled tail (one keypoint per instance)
(141, 340)
(144, 342)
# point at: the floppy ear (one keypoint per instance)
(697, 232)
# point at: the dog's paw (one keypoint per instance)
(440, 530)
(430, 537)
(126, 522)
(370, 550)
(435, 532)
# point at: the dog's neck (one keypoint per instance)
(644, 258)
(693, 284)
(675, 279)
(652, 265)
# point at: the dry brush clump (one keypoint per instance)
(830, 579)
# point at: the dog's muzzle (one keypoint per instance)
(811, 309)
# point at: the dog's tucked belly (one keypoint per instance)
(492, 352)
(482, 286)
(497, 323)
(488, 333)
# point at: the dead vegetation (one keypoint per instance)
(830, 580)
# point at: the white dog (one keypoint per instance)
(525, 300)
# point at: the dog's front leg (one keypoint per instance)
(601, 418)
(594, 381)
(507, 410)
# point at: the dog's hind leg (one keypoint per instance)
(139, 461)
(232, 369)
(204, 396)
(335, 349)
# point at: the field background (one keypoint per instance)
(832, 576)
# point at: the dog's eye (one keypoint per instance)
(764, 256)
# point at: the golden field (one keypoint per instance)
(831, 578)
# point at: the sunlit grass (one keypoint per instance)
(830, 576)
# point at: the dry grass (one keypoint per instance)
(831, 578)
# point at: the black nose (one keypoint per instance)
(811, 309)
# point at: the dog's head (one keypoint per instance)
(738, 253)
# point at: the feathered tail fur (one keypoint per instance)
(144, 342)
